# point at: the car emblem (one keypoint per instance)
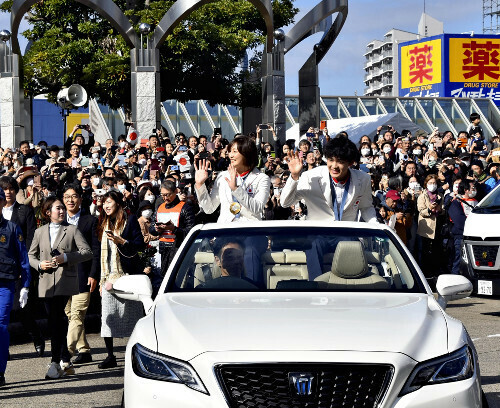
(302, 384)
(484, 254)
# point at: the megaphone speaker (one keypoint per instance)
(74, 96)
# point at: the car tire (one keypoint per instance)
(484, 401)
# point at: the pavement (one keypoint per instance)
(93, 388)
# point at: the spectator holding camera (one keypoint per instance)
(78, 139)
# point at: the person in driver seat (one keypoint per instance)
(229, 257)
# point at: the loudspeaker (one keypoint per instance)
(74, 96)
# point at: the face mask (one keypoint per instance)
(30, 181)
(147, 213)
(122, 145)
(154, 182)
(432, 163)
(96, 181)
(417, 152)
(413, 185)
(150, 198)
(142, 162)
(95, 155)
(177, 183)
(455, 187)
(121, 188)
(365, 152)
(432, 187)
(375, 151)
(472, 194)
(387, 149)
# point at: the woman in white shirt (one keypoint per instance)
(242, 190)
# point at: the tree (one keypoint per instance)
(71, 43)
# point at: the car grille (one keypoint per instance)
(334, 385)
(485, 255)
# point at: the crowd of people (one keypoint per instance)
(78, 217)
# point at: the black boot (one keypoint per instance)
(108, 362)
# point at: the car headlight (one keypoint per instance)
(149, 364)
(456, 366)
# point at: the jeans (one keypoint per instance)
(457, 242)
(7, 289)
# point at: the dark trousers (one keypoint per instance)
(167, 255)
(58, 327)
(456, 253)
(7, 288)
(26, 315)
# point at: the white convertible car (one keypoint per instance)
(297, 314)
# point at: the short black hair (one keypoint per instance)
(220, 243)
(24, 142)
(75, 187)
(9, 182)
(474, 115)
(341, 148)
(168, 185)
(247, 148)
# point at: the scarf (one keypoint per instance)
(110, 272)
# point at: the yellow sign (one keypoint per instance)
(474, 59)
(421, 64)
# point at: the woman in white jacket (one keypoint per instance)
(242, 190)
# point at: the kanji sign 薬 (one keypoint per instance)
(421, 64)
(474, 60)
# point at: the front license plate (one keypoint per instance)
(485, 288)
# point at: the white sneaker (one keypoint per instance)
(68, 368)
(54, 371)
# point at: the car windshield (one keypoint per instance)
(492, 201)
(294, 259)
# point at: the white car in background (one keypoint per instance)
(359, 329)
(481, 250)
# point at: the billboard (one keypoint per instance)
(469, 67)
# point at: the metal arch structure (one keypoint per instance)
(107, 9)
(183, 8)
(309, 93)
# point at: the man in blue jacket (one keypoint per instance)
(14, 263)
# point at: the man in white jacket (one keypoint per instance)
(334, 192)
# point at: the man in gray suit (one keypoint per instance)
(334, 192)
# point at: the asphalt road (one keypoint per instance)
(94, 388)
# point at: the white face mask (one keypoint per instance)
(121, 188)
(30, 181)
(365, 152)
(150, 198)
(387, 149)
(147, 213)
(154, 182)
(95, 155)
(413, 185)
(375, 152)
(96, 181)
(432, 187)
(142, 162)
(122, 145)
(455, 187)
(417, 152)
(472, 194)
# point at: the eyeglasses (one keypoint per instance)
(167, 194)
(74, 197)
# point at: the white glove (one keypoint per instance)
(23, 298)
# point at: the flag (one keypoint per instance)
(132, 135)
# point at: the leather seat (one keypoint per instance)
(350, 270)
(206, 268)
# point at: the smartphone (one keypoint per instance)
(155, 165)
(263, 126)
(183, 148)
(174, 167)
(85, 161)
(109, 232)
(322, 124)
(310, 135)
(55, 252)
(37, 181)
(273, 155)
(121, 160)
(204, 155)
(100, 191)
(81, 126)
(217, 131)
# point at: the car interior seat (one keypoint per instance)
(350, 270)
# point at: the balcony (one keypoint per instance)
(387, 81)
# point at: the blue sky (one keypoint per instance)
(341, 71)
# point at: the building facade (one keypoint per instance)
(382, 57)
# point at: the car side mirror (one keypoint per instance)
(452, 287)
(135, 287)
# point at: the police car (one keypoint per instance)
(303, 314)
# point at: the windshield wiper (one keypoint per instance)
(490, 208)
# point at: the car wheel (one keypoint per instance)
(484, 401)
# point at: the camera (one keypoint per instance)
(82, 126)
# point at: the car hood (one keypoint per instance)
(189, 324)
(482, 225)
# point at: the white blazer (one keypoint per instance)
(252, 196)
(314, 187)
